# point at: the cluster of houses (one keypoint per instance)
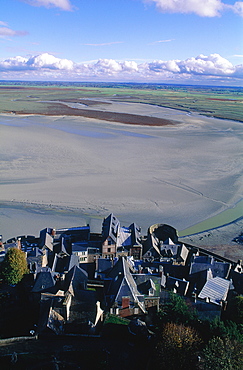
(76, 276)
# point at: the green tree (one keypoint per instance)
(238, 301)
(223, 354)
(14, 266)
(176, 310)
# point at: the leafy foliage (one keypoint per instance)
(177, 311)
(177, 347)
(14, 266)
(223, 354)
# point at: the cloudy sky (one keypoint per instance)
(167, 41)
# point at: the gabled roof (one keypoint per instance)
(124, 237)
(215, 290)
(123, 284)
(177, 285)
(152, 245)
(110, 227)
(75, 280)
(103, 264)
(135, 234)
(183, 252)
(75, 234)
(46, 239)
(201, 263)
(145, 286)
(44, 282)
(198, 280)
(50, 318)
(64, 263)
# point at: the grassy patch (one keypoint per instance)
(113, 319)
(218, 102)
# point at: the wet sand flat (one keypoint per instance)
(178, 174)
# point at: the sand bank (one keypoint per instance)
(175, 174)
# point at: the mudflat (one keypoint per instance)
(56, 170)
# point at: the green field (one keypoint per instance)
(221, 102)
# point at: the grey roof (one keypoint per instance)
(216, 290)
(198, 280)
(169, 250)
(177, 285)
(103, 264)
(75, 280)
(80, 246)
(63, 263)
(110, 227)
(220, 269)
(183, 252)
(135, 234)
(79, 233)
(152, 245)
(44, 282)
(46, 239)
(124, 237)
(50, 318)
(123, 284)
(146, 286)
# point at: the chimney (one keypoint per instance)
(19, 245)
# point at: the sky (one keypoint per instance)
(159, 41)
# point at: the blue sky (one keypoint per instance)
(167, 41)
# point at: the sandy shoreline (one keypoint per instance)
(174, 174)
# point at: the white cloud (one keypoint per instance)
(238, 8)
(48, 61)
(46, 66)
(61, 4)
(105, 43)
(203, 8)
(160, 41)
(40, 62)
(5, 31)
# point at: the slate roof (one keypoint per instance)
(79, 233)
(201, 263)
(110, 228)
(198, 280)
(75, 280)
(176, 285)
(103, 264)
(44, 282)
(145, 287)
(124, 237)
(123, 284)
(135, 234)
(216, 290)
(49, 317)
(46, 239)
(64, 263)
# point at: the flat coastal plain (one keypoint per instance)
(69, 170)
